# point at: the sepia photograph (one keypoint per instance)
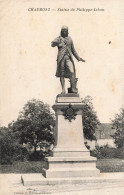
(61, 97)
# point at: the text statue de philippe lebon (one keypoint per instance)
(65, 62)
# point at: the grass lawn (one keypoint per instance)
(110, 165)
(105, 165)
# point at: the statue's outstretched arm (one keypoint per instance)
(55, 42)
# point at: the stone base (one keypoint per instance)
(38, 179)
(63, 167)
(67, 173)
(70, 157)
(68, 98)
(80, 151)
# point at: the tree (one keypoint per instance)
(10, 149)
(118, 124)
(34, 125)
(90, 119)
(3, 131)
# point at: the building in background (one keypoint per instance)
(103, 136)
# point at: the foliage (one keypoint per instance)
(3, 131)
(10, 149)
(107, 152)
(110, 165)
(34, 126)
(90, 119)
(118, 124)
(87, 146)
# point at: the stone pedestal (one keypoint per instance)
(70, 156)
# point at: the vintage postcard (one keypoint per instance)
(30, 38)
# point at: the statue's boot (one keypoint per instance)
(73, 85)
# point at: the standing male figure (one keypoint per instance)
(65, 63)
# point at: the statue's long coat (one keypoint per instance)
(67, 48)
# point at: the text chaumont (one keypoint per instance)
(38, 9)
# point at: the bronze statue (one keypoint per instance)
(65, 63)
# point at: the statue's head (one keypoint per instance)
(64, 31)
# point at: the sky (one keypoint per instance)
(28, 62)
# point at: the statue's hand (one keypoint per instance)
(81, 60)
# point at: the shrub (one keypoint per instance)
(107, 152)
(10, 150)
(36, 156)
